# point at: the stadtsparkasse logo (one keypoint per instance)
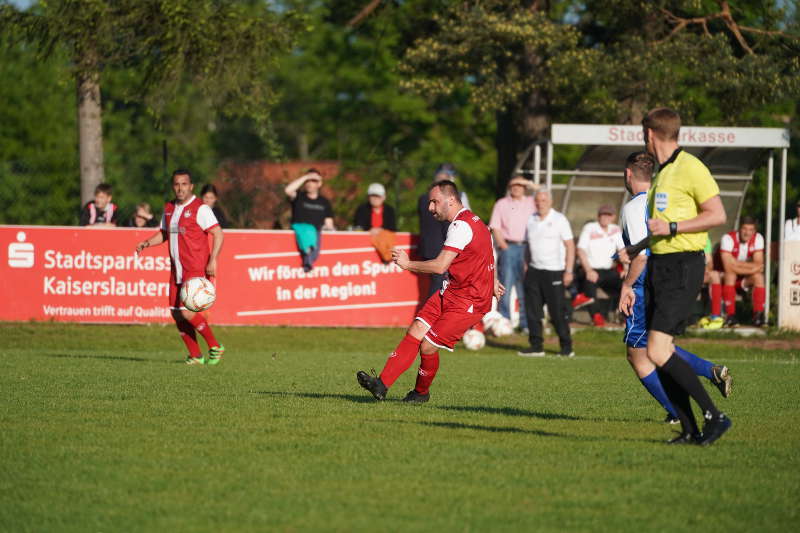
(20, 253)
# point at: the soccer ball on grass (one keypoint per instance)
(198, 294)
(473, 339)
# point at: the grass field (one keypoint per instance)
(104, 429)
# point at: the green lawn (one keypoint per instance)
(102, 428)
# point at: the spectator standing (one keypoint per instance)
(742, 256)
(510, 216)
(791, 231)
(142, 217)
(311, 213)
(551, 249)
(597, 244)
(432, 232)
(210, 197)
(185, 226)
(100, 212)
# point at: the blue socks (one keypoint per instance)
(700, 366)
(654, 387)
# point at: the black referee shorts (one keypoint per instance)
(673, 281)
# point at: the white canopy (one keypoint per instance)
(731, 154)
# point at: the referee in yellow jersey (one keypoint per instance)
(684, 204)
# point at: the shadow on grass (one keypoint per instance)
(356, 398)
(492, 429)
(507, 411)
(108, 357)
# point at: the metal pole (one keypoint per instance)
(768, 250)
(537, 162)
(549, 164)
(782, 207)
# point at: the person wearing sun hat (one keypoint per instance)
(508, 222)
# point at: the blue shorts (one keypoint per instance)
(636, 323)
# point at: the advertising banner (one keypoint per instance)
(92, 275)
(789, 286)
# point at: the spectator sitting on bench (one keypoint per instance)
(741, 256)
(597, 244)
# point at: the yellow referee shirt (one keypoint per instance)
(681, 185)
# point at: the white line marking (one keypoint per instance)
(326, 308)
(322, 252)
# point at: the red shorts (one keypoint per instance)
(448, 318)
(175, 289)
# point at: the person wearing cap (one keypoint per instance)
(311, 213)
(510, 216)
(432, 232)
(791, 231)
(597, 244)
(375, 214)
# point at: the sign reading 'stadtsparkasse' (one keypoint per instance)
(91, 275)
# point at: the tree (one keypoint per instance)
(225, 48)
(525, 62)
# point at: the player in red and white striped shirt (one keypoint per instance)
(468, 258)
(185, 224)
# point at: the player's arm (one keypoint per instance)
(710, 215)
(216, 245)
(627, 297)
(569, 244)
(154, 240)
(439, 265)
(291, 189)
(740, 268)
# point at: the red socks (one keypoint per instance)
(427, 371)
(729, 296)
(400, 360)
(188, 337)
(716, 299)
(759, 295)
(202, 327)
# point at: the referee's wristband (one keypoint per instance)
(673, 228)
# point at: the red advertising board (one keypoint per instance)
(92, 275)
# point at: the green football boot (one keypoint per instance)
(215, 354)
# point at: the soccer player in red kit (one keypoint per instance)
(466, 296)
(185, 224)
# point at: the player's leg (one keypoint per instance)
(645, 370)
(185, 329)
(756, 282)
(201, 325)
(534, 309)
(729, 297)
(442, 335)
(673, 283)
(406, 351)
(635, 338)
(714, 280)
(553, 290)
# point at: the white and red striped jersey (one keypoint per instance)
(741, 251)
(187, 226)
(471, 274)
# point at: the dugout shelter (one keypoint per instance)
(731, 154)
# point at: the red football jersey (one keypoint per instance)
(187, 226)
(471, 274)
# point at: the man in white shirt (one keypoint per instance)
(509, 218)
(742, 257)
(551, 248)
(791, 231)
(598, 243)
